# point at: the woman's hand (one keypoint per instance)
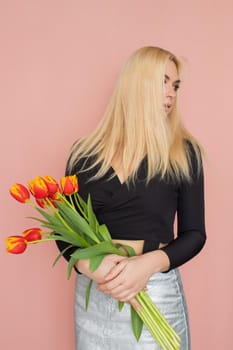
(109, 261)
(130, 276)
(126, 279)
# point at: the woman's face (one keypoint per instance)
(171, 84)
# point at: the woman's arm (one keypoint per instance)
(191, 234)
(131, 275)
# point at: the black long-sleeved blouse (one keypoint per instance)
(147, 212)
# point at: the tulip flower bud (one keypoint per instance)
(32, 234)
(69, 184)
(20, 193)
(51, 184)
(38, 188)
(54, 198)
(16, 244)
(41, 202)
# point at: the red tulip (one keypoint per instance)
(38, 188)
(54, 198)
(32, 234)
(69, 184)
(20, 193)
(51, 184)
(16, 244)
(41, 202)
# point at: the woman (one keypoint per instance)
(141, 167)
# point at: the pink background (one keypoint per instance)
(59, 61)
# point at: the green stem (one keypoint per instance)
(151, 324)
(63, 198)
(79, 206)
(163, 325)
(40, 240)
(72, 205)
(166, 340)
(31, 203)
(71, 231)
(158, 314)
(154, 319)
(156, 336)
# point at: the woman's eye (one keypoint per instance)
(176, 87)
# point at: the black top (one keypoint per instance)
(147, 212)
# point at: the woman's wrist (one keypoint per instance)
(158, 261)
(82, 265)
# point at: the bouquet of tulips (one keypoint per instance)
(72, 220)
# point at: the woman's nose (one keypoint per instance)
(170, 92)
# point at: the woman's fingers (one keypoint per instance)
(135, 304)
(114, 272)
(107, 287)
(114, 258)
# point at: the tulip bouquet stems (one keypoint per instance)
(72, 220)
(157, 324)
(150, 316)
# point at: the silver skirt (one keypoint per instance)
(103, 327)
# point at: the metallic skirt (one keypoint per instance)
(104, 327)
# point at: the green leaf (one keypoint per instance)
(90, 213)
(69, 215)
(120, 305)
(97, 249)
(37, 219)
(56, 237)
(51, 218)
(136, 323)
(103, 230)
(77, 222)
(70, 266)
(61, 254)
(97, 225)
(71, 237)
(68, 231)
(81, 202)
(93, 222)
(130, 250)
(88, 291)
(96, 261)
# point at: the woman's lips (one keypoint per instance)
(168, 107)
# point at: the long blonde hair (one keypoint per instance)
(135, 124)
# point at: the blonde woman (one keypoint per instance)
(142, 167)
